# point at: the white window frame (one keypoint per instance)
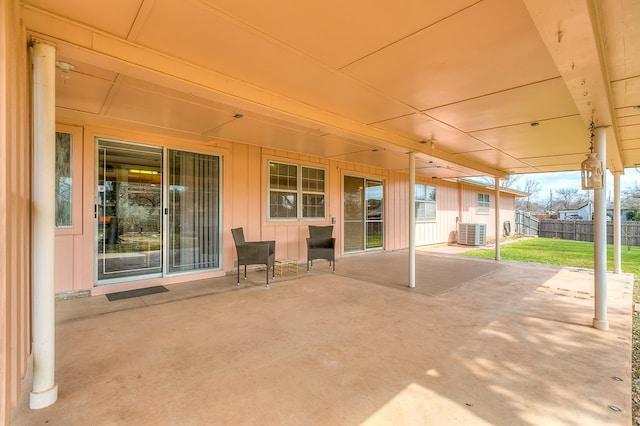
(300, 193)
(484, 203)
(426, 202)
(75, 228)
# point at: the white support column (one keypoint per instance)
(600, 320)
(617, 225)
(45, 390)
(412, 219)
(497, 217)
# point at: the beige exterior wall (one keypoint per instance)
(244, 192)
(15, 201)
(70, 241)
(470, 213)
(457, 202)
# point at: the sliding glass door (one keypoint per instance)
(375, 214)
(157, 212)
(129, 210)
(194, 211)
(363, 214)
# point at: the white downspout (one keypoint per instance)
(412, 219)
(600, 320)
(617, 225)
(45, 390)
(497, 217)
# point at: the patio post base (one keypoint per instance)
(600, 325)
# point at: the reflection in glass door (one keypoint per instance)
(363, 214)
(128, 210)
(375, 211)
(353, 213)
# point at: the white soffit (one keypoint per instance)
(470, 74)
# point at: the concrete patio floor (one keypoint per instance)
(477, 342)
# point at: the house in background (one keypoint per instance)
(584, 212)
(625, 213)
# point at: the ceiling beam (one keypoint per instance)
(113, 53)
(572, 33)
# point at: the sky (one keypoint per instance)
(553, 181)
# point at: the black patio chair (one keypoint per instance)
(254, 253)
(321, 245)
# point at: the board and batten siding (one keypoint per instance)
(244, 204)
(16, 173)
(442, 229)
(470, 213)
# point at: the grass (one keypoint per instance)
(579, 254)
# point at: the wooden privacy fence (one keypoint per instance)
(582, 230)
(526, 223)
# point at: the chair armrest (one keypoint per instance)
(270, 244)
(321, 242)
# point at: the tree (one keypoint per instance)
(630, 197)
(510, 182)
(569, 198)
(532, 187)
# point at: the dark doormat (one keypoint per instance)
(136, 293)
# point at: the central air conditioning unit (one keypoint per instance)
(472, 234)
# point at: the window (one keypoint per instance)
(68, 180)
(296, 192)
(425, 201)
(64, 150)
(483, 203)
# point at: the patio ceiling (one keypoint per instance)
(360, 81)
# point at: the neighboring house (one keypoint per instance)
(624, 213)
(584, 212)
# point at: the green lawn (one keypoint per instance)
(578, 254)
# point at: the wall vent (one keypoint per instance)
(472, 234)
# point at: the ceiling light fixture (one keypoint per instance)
(235, 116)
(65, 68)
